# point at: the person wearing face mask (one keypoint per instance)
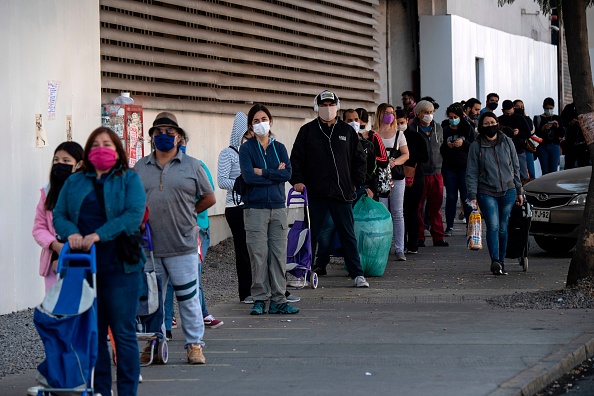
(432, 135)
(363, 118)
(67, 159)
(97, 205)
(493, 182)
(417, 154)
(393, 139)
(228, 170)
(265, 167)
(329, 160)
(520, 110)
(549, 127)
(516, 128)
(375, 151)
(492, 103)
(457, 137)
(177, 188)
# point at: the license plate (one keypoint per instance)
(541, 215)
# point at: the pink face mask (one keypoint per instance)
(103, 158)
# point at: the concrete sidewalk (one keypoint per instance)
(423, 328)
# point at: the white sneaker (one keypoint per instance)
(293, 299)
(32, 391)
(248, 300)
(293, 281)
(361, 282)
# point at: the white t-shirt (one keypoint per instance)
(391, 142)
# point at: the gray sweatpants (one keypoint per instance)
(183, 271)
(266, 237)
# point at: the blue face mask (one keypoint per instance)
(182, 149)
(454, 122)
(164, 142)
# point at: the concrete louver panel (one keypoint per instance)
(281, 54)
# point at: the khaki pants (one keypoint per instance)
(266, 237)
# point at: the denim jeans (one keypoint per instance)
(530, 164)
(183, 271)
(325, 241)
(496, 211)
(523, 165)
(117, 303)
(342, 215)
(455, 181)
(548, 156)
(394, 203)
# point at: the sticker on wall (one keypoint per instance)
(40, 136)
(68, 128)
(52, 96)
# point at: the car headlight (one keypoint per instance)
(578, 200)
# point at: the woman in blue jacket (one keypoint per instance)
(265, 167)
(96, 206)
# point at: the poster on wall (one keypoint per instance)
(40, 136)
(52, 97)
(68, 128)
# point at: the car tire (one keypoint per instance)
(554, 244)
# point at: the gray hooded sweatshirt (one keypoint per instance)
(228, 163)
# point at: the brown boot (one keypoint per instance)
(195, 355)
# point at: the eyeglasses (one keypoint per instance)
(492, 123)
(168, 131)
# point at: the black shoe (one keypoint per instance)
(321, 271)
(503, 271)
(496, 268)
(168, 335)
(441, 243)
(421, 243)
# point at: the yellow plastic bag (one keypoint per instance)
(474, 231)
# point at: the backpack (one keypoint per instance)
(240, 187)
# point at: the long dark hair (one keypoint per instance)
(55, 185)
(122, 161)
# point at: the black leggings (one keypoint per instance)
(412, 197)
(234, 216)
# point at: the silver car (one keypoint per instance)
(558, 200)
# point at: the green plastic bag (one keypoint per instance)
(373, 230)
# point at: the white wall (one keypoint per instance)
(516, 67)
(42, 40)
(509, 18)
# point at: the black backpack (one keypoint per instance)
(240, 187)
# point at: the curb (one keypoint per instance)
(549, 369)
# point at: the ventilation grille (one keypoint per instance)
(212, 55)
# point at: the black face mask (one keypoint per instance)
(489, 131)
(60, 172)
(492, 105)
(519, 111)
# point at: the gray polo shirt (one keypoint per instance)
(171, 195)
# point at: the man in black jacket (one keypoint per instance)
(328, 159)
(516, 128)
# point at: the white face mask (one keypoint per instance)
(356, 126)
(402, 127)
(327, 113)
(262, 128)
(427, 118)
